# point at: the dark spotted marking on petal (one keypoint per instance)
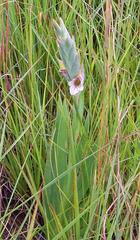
(77, 81)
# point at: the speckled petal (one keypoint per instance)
(74, 90)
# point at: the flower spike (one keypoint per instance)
(70, 66)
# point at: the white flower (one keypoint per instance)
(77, 83)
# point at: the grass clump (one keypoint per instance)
(69, 164)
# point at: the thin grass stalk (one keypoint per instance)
(103, 133)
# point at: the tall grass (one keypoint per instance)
(72, 161)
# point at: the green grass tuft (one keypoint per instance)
(72, 162)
